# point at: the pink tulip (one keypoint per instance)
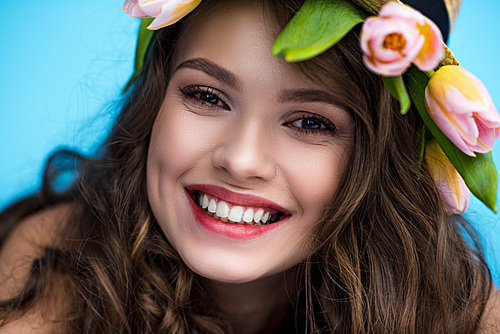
(450, 184)
(165, 12)
(398, 37)
(462, 108)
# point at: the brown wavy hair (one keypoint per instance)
(388, 259)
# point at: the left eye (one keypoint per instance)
(309, 124)
(312, 124)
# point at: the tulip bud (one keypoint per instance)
(450, 184)
(463, 109)
(132, 9)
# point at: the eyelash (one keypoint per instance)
(194, 94)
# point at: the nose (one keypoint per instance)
(245, 154)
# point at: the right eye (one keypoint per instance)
(204, 96)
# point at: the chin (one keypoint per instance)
(229, 271)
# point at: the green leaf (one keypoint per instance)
(316, 27)
(479, 173)
(143, 42)
(397, 87)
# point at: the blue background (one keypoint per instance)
(63, 64)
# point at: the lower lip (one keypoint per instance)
(234, 231)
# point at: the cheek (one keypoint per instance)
(179, 141)
(173, 150)
(173, 142)
(314, 173)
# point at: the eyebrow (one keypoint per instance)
(308, 95)
(228, 78)
(213, 70)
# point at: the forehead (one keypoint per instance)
(238, 38)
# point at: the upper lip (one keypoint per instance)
(236, 198)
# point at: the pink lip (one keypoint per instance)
(233, 231)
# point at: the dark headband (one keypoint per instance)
(436, 11)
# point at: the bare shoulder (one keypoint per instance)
(44, 317)
(491, 318)
(24, 244)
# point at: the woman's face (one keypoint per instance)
(248, 136)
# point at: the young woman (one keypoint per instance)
(240, 193)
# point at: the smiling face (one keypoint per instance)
(246, 136)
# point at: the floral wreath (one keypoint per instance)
(407, 50)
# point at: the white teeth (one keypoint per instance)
(222, 209)
(236, 214)
(212, 206)
(265, 218)
(204, 202)
(258, 215)
(248, 216)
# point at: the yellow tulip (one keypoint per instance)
(450, 184)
